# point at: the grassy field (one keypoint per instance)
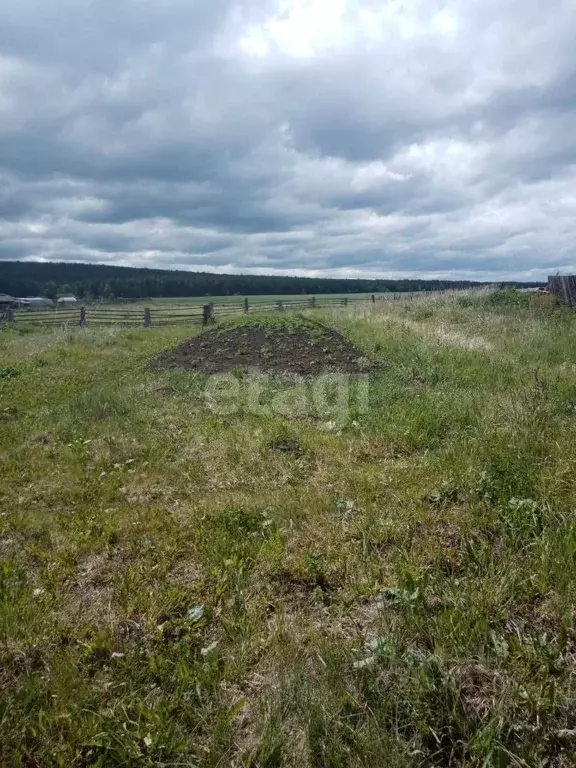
(256, 299)
(396, 591)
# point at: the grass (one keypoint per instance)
(285, 322)
(266, 298)
(395, 591)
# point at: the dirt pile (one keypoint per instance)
(271, 345)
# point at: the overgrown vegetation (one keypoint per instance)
(183, 587)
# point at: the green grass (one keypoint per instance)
(399, 591)
(255, 299)
(286, 322)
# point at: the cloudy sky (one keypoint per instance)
(334, 137)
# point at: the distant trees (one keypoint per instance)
(95, 280)
(107, 292)
(50, 290)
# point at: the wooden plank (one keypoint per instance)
(571, 290)
(564, 288)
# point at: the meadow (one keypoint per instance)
(186, 584)
(257, 299)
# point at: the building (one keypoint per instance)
(6, 301)
(67, 301)
(35, 302)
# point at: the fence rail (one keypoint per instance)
(182, 314)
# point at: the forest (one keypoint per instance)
(18, 278)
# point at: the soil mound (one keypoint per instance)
(270, 345)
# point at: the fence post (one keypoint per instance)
(10, 315)
(345, 301)
(147, 317)
(246, 306)
(279, 306)
(373, 299)
(313, 302)
(82, 321)
(208, 311)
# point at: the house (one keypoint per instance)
(67, 301)
(6, 301)
(35, 302)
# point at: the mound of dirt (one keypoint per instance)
(304, 348)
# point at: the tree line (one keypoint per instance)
(94, 281)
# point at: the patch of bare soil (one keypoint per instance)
(303, 348)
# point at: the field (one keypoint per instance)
(348, 570)
(182, 311)
(254, 299)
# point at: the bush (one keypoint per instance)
(510, 297)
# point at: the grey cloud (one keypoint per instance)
(81, 37)
(440, 140)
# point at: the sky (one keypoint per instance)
(344, 138)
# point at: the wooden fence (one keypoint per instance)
(183, 314)
(564, 288)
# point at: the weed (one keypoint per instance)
(179, 586)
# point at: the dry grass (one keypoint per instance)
(399, 591)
